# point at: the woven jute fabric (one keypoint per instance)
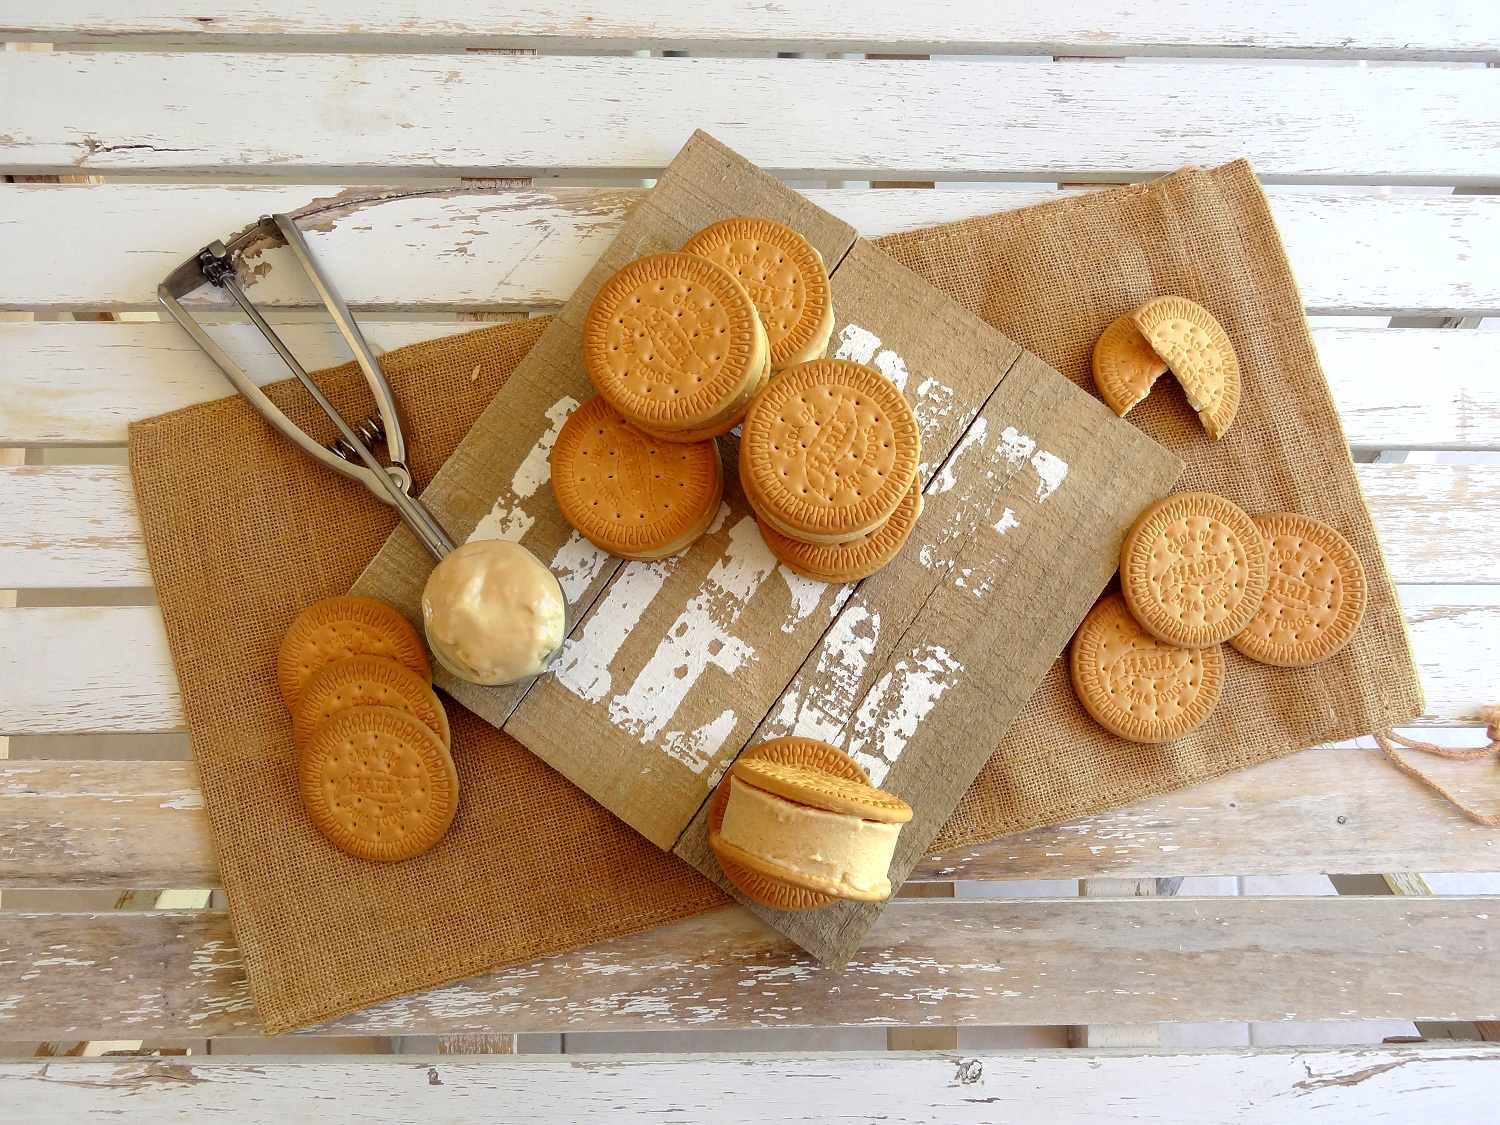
(1051, 278)
(243, 531)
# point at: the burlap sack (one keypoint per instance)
(242, 531)
(1051, 278)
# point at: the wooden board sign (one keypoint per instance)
(673, 667)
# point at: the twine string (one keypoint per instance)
(1387, 740)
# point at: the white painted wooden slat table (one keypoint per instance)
(198, 118)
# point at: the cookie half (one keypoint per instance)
(829, 451)
(1137, 686)
(341, 627)
(1197, 349)
(378, 783)
(784, 276)
(1125, 365)
(1193, 569)
(1315, 594)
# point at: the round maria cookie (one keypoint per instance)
(1137, 686)
(337, 628)
(820, 790)
(785, 278)
(754, 883)
(631, 494)
(852, 561)
(1315, 597)
(828, 451)
(1193, 569)
(1125, 366)
(378, 783)
(673, 342)
(367, 681)
(1198, 351)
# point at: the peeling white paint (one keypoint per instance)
(897, 704)
(1006, 521)
(583, 665)
(822, 708)
(856, 344)
(695, 749)
(946, 479)
(577, 563)
(1052, 469)
(805, 593)
(701, 636)
(508, 519)
(1015, 446)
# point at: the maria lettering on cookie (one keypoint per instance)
(1193, 569)
(1136, 685)
(829, 451)
(1315, 596)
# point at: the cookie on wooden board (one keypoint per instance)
(852, 561)
(1125, 365)
(818, 789)
(1137, 686)
(341, 627)
(674, 344)
(378, 783)
(367, 681)
(630, 494)
(1193, 569)
(1199, 353)
(784, 276)
(829, 451)
(752, 882)
(1315, 594)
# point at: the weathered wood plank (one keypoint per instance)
(1250, 1087)
(935, 961)
(106, 669)
(480, 248)
(1286, 28)
(420, 115)
(1331, 809)
(64, 383)
(76, 525)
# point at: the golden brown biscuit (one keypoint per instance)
(1137, 686)
(367, 681)
(631, 494)
(848, 562)
(337, 628)
(754, 884)
(1125, 366)
(785, 278)
(1193, 569)
(1315, 596)
(378, 783)
(673, 342)
(818, 789)
(829, 451)
(1198, 351)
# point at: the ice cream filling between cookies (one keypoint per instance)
(836, 848)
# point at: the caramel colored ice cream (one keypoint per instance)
(493, 612)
